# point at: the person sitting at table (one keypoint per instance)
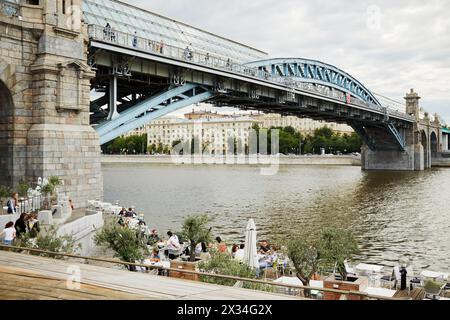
(123, 212)
(264, 247)
(234, 249)
(267, 261)
(131, 213)
(221, 246)
(155, 257)
(239, 255)
(154, 237)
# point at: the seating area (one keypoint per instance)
(383, 282)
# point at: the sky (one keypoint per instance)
(390, 46)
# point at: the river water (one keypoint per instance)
(393, 214)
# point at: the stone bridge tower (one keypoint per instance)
(45, 98)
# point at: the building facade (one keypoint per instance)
(218, 132)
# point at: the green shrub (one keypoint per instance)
(49, 241)
(224, 264)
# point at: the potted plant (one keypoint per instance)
(49, 191)
(195, 230)
(337, 246)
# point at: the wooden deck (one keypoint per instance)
(16, 284)
(30, 277)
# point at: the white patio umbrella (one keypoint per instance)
(250, 251)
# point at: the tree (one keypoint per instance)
(304, 252)
(310, 251)
(338, 245)
(125, 243)
(195, 230)
(23, 188)
(5, 192)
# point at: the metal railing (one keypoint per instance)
(28, 204)
(346, 293)
(206, 59)
(31, 204)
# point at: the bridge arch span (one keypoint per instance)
(318, 73)
(6, 127)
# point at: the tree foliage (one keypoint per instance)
(126, 243)
(332, 142)
(338, 246)
(311, 250)
(136, 144)
(224, 264)
(5, 193)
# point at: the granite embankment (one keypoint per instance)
(329, 160)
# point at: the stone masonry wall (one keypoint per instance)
(43, 66)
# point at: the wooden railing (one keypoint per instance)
(361, 295)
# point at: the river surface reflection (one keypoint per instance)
(392, 213)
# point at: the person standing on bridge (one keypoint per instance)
(107, 32)
(161, 47)
(186, 53)
(135, 40)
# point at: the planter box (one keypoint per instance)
(353, 284)
(183, 265)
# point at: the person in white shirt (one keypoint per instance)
(173, 246)
(239, 255)
(9, 234)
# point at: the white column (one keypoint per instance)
(113, 114)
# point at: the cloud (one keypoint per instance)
(390, 46)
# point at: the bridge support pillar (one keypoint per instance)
(394, 160)
(45, 101)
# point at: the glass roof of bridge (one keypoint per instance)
(129, 19)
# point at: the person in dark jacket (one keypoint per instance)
(21, 225)
(13, 203)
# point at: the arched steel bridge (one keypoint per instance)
(142, 80)
(318, 73)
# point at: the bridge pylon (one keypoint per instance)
(45, 90)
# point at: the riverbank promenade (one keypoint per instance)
(29, 277)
